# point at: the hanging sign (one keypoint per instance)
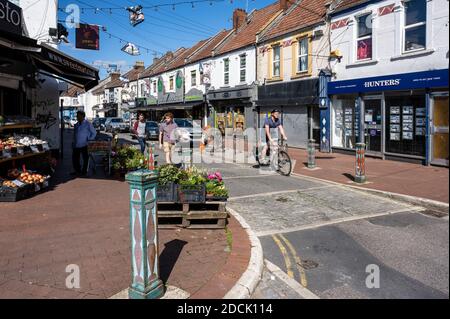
(131, 49)
(10, 17)
(136, 15)
(87, 37)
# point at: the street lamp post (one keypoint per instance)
(145, 282)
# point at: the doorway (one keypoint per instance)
(439, 131)
(373, 125)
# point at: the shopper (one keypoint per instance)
(139, 131)
(167, 136)
(84, 131)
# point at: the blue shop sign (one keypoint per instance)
(406, 81)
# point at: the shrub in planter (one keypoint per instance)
(191, 186)
(215, 187)
(127, 158)
(168, 177)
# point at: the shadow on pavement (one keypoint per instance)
(169, 257)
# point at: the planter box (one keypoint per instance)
(167, 193)
(216, 198)
(191, 194)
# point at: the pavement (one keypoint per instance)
(85, 222)
(430, 182)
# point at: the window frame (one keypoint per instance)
(299, 56)
(412, 26)
(193, 78)
(155, 86)
(365, 37)
(274, 47)
(171, 83)
(243, 69)
(226, 71)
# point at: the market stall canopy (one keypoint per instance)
(66, 67)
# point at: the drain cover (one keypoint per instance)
(308, 264)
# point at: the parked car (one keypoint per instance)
(152, 130)
(99, 123)
(187, 125)
(116, 124)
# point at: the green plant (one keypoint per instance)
(169, 173)
(128, 158)
(193, 176)
(216, 188)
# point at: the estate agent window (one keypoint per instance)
(226, 71)
(193, 78)
(346, 122)
(171, 83)
(302, 65)
(276, 61)
(243, 65)
(364, 37)
(415, 25)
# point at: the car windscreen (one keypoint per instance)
(151, 125)
(183, 123)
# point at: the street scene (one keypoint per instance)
(248, 151)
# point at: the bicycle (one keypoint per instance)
(284, 160)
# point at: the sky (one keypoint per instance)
(163, 29)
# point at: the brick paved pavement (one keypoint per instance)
(429, 182)
(85, 222)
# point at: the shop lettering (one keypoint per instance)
(11, 15)
(382, 83)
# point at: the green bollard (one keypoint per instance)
(360, 165)
(145, 282)
(311, 153)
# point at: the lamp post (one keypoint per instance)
(145, 282)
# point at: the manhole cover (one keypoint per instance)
(308, 264)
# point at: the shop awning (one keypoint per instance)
(181, 106)
(18, 42)
(55, 62)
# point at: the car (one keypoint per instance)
(187, 125)
(116, 125)
(99, 123)
(151, 130)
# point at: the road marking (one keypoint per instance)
(299, 289)
(337, 221)
(247, 176)
(287, 259)
(279, 192)
(298, 261)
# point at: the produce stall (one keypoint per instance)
(24, 160)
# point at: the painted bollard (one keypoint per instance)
(360, 165)
(311, 153)
(145, 282)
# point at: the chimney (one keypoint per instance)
(284, 4)
(114, 76)
(155, 60)
(239, 16)
(139, 65)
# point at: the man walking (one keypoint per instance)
(139, 130)
(167, 136)
(83, 132)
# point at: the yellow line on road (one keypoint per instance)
(287, 259)
(298, 261)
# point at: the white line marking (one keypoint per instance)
(279, 192)
(247, 176)
(297, 287)
(337, 221)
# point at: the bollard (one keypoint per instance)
(311, 153)
(360, 167)
(145, 282)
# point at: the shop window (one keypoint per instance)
(226, 71)
(415, 25)
(171, 81)
(346, 123)
(276, 61)
(154, 86)
(243, 66)
(193, 78)
(302, 64)
(406, 124)
(364, 37)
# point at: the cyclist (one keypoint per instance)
(272, 125)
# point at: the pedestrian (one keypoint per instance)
(139, 131)
(83, 132)
(167, 136)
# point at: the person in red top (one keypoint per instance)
(139, 131)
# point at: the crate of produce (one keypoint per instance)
(191, 193)
(10, 192)
(167, 192)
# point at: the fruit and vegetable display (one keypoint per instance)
(20, 184)
(20, 142)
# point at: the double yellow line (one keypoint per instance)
(279, 239)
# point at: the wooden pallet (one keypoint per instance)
(211, 215)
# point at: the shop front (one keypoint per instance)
(298, 102)
(401, 116)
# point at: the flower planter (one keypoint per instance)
(212, 197)
(167, 192)
(191, 193)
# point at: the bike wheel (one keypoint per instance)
(284, 164)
